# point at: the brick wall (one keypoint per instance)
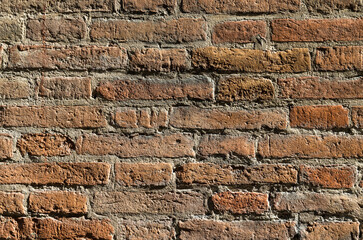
(191, 119)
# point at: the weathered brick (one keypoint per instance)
(146, 118)
(10, 29)
(57, 202)
(171, 145)
(334, 204)
(11, 203)
(201, 118)
(55, 173)
(201, 173)
(319, 117)
(14, 89)
(245, 88)
(333, 5)
(331, 230)
(238, 32)
(318, 88)
(143, 174)
(169, 31)
(65, 87)
(151, 89)
(69, 58)
(317, 30)
(45, 144)
(357, 116)
(56, 29)
(328, 177)
(52, 116)
(145, 6)
(339, 58)
(8, 228)
(158, 60)
(146, 230)
(240, 202)
(250, 60)
(6, 146)
(311, 146)
(238, 6)
(225, 145)
(210, 229)
(153, 203)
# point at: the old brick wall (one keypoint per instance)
(181, 119)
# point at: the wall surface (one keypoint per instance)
(192, 119)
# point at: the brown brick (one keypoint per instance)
(240, 202)
(201, 173)
(10, 29)
(158, 60)
(146, 230)
(143, 174)
(225, 145)
(6, 146)
(318, 88)
(152, 203)
(70, 58)
(322, 117)
(147, 89)
(238, 32)
(328, 177)
(146, 118)
(317, 30)
(244, 88)
(333, 5)
(65, 88)
(171, 145)
(56, 29)
(339, 58)
(238, 6)
(2, 55)
(146, 6)
(52, 116)
(310, 146)
(55, 173)
(171, 31)
(357, 116)
(201, 118)
(210, 229)
(45, 145)
(331, 230)
(14, 89)
(57, 202)
(250, 60)
(296, 202)
(8, 228)
(11, 203)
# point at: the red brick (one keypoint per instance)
(45, 145)
(10, 29)
(357, 116)
(145, 89)
(238, 6)
(238, 32)
(151, 203)
(328, 177)
(56, 29)
(143, 174)
(146, 230)
(331, 230)
(339, 58)
(171, 145)
(201, 118)
(333, 5)
(14, 89)
(158, 60)
(52, 116)
(168, 31)
(210, 229)
(240, 202)
(317, 30)
(57, 202)
(11, 204)
(146, 118)
(311, 146)
(322, 117)
(65, 88)
(318, 88)
(211, 174)
(250, 60)
(146, 6)
(55, 173)
(8, 228)
(225, 145)
(68, 58)
(6, 146)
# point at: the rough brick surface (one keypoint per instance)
(11, 204)
(357, 116)
(334, 5)
(145, 6)
(143, 118)
(65, 88)
(332, 230)
(10, 29)
(14, 89)
(6, 146)
(148, 230)
(339, 58)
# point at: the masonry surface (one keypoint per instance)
(181, 119)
